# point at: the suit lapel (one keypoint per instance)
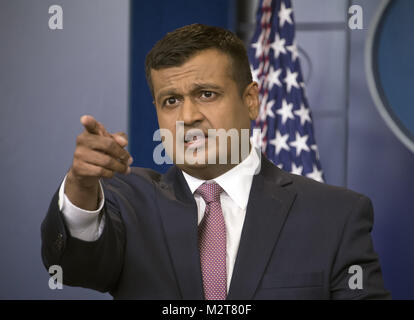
(267, 209)
(178, 212)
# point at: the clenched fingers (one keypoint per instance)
(84, 169)
(121, 138)
(106, 145)
(100, 159)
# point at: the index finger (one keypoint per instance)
(93, 126)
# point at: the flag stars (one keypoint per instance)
(273, 78)
(284, 123)
(263, 141)
(296, 169)
(269, 111)
(314, 147)
(286, 111)
(255, 73)
(291, 80)
(303, 113)
(262, 108)
(315, 174)
(258, 46)
(278, 46)
(259, 137)
(284, 15)
(300, 143)
(280, 142)
(294, 51)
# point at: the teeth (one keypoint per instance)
(193, 138)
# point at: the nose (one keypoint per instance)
(190, 113)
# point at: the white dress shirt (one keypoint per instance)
(236, 183)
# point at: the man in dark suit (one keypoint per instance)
(207, 229)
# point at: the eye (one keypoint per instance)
(208, 94)
(170, 101)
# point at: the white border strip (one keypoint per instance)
(371, 78)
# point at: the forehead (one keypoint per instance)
(207, 66)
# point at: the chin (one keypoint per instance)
(195, 165)
(198, 161)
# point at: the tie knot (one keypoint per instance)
(210, 192)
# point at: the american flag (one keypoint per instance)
(285, 121)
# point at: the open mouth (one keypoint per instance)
(194, 138)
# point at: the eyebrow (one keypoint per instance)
(203, 86)
(170, 92)
(194, 88)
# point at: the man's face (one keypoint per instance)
(203, 95)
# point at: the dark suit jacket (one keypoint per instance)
(298, 241)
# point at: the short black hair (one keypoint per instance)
(176, 47)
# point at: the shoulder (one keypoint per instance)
(319, 190)
(317, 196)
(329, 209)
(333, 204)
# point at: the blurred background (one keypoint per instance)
(357, 84)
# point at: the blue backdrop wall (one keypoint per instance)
(379, 164)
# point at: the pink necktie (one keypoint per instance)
(212, 243)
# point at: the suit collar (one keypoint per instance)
(174, 179)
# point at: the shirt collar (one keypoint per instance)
(237, 181)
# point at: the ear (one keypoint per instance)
(251, 99)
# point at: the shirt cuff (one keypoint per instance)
(83, 224)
